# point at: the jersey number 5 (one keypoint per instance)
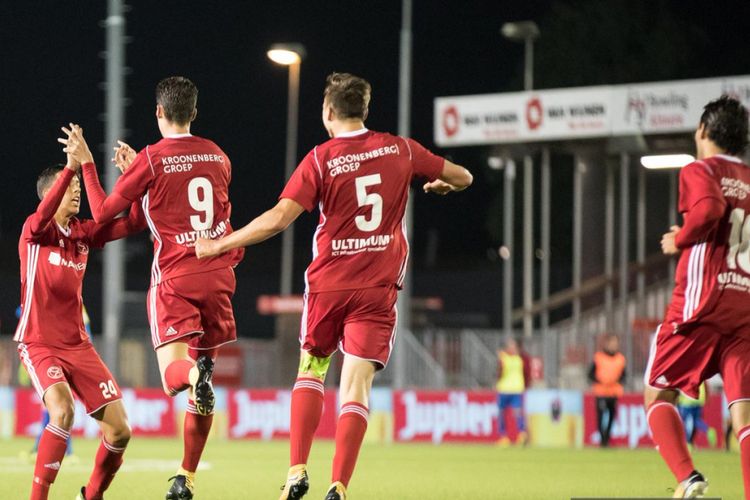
(201, 198)
(372, 199)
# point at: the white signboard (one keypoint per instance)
(579, 113)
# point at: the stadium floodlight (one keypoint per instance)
(286, 54)
(666, 161)
(289, 55)
(520, 31)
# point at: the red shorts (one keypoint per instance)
(82, 369)
(196, 309)
(683, 361)
(362, 323)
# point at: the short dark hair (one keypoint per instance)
(725, 123)
(46, 178)
(178, 96)
(348, 95)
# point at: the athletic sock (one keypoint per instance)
(49, 458)
(669, 435)
(350, 431)
(744, 439)
(306, 409)
(106, 464)
(177, 375)
(195, 434)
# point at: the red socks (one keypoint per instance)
(177, 375)
(49, 457)
(197, 428)
(669, 436)
(744, 439)
(350, 431)
(108, 460)
(307, 407)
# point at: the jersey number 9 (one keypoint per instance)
(201, 198)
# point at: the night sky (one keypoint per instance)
(51, 72)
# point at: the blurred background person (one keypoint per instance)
(691, 412)
(607, 374)
(513, 376)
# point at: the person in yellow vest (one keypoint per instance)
(511, 384)
(691, 411)
(607, 375)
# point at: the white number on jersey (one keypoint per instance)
(372, 199)
(739, 241)
(204, 203)
(108, 389)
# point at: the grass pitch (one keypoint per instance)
(255, 470)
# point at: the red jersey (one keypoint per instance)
(360, 183)
(713, 273)
(183, 181)
(53, 262)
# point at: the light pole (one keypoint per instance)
(526, 32)
(291, 55)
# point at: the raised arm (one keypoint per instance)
(103, 208)
(129, 187)
(121, 227)
(46, 209)
(266, 225)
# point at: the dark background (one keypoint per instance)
(51, 72)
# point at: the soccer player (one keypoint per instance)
(706, 329)
(512, 382)
(359, 180)
(183, 181)
(52, 341)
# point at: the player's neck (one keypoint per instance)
(169, 129)
(342, 127)
(62, 219)
(710, 149)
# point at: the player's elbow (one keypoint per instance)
(465, 179)
(278, 221)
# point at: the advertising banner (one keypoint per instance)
(579, 113)
(264, 414)
(445, 416)
(630, 428)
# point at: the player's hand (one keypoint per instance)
(75, 144)
(668, 246)
(124, 156)
(438, 187)
(207, 248)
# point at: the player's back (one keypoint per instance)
(715, 273)
(187, 198)
(363, 186)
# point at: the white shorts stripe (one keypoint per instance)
(30, 369)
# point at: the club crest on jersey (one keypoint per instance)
(54, 372)
(82, 247)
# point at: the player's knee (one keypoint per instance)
(119, 435)
(314, 366)
(62, 414)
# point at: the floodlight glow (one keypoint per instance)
(666, 161)
(283, 56)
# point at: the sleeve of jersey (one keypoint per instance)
(129, 187)
(304, 185)
(424, 162)
(697, 182)
(46, 209)
(699, 221)
(121, 227)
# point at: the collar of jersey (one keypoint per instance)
(730, 158)
(64, 231)
(353, 133)
(177, 136)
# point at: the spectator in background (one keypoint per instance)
(512, 380)
(691, 412)
(607, 374)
